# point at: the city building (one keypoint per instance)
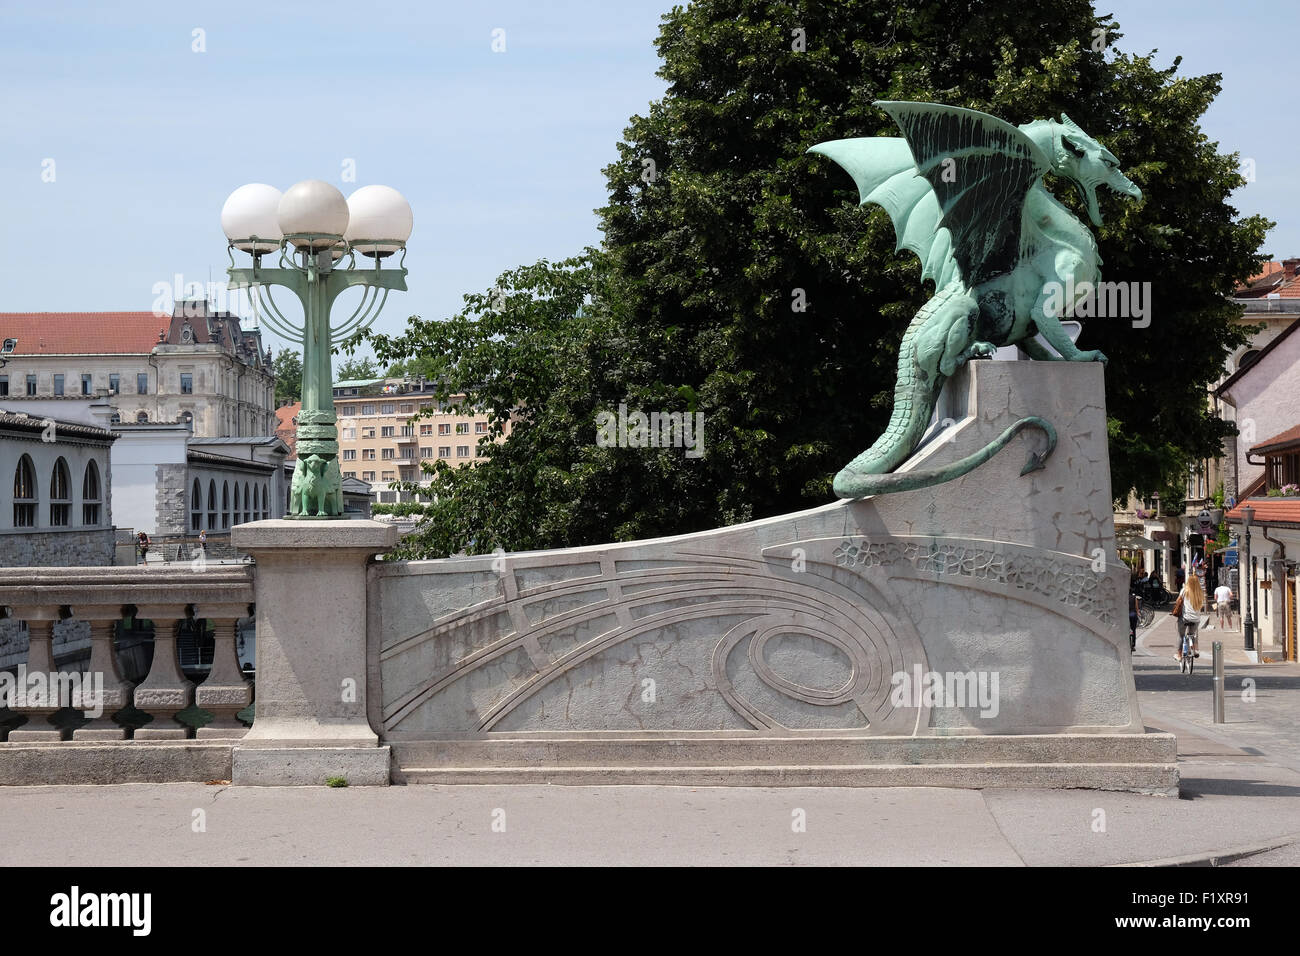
(388, 427)
(1271, 554)
(1153, 536)
(173, 485)
(286, 426)
(195, 366)
(56, 492)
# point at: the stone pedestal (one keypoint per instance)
(310, 716)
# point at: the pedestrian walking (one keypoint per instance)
(1223, 604)
(203, 540)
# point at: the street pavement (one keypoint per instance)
(1240, 806)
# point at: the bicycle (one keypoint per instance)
(1188, 659)
(1146, 614)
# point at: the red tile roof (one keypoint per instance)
(1269, 511)
(285, 427)
(82, 333)
(1289, 437)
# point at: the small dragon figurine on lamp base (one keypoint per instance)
(965, 192)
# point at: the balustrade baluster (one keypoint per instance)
(165, 692)
(226, 691)
(35, 697)
(103, 678)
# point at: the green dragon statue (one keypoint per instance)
(965, 192)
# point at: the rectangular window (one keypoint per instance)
(444, 451)
(407, 431)
(426, 451)
(349, 410)
(142, 383)
(462, 428)
(386, 431)
(4, 384)
(462, 451)
(367, 454)
(349, 434)
(367, 409)
(480, 428)
(58, 385)
(367, 476)
(349, 474)
(389, 476)
(187, 383)
(424, 429)
(349, 454)
(85, 384)
(367, 433)
(31, 385)
(386, 408)
(407, 408)
(114, 383)
(389, 454)
(444, 429)
(426, 406)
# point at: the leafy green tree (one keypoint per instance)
(740, 278)
(287, 369)
(356, 368)
(428, 367)
(738, 228)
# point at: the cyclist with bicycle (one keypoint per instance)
(1187, 610)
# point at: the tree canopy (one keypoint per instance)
(739, 277)
(287, 369)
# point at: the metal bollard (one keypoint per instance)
(1218, 682)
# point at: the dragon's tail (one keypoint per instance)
(915, 394)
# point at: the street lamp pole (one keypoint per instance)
(1248, 624)
(313, 228)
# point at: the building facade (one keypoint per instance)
(388, 427)
(173, 485)
(195, 366)
(55, 493)
(1160, 538)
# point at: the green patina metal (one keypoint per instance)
(317, 280)
(965, 192)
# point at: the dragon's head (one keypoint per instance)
(1079, 157)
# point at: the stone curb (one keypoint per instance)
(1217, 857)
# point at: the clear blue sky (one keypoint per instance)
(500, 154)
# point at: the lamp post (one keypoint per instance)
(1248, 622)
(313, 228)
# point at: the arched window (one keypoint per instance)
(91, 496)
(266, 507)
(25, 494)
(187, 418)
(141, 416)
(1246, 358)
(212, 504)
(225, 504)
(196, 507)
(248, 508)
(60, 495)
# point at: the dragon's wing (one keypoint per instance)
(885, 173)
(958, 203)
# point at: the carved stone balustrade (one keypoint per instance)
(222, 595)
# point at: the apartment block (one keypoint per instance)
(388, 427)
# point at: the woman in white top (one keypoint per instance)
(1187, 609)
